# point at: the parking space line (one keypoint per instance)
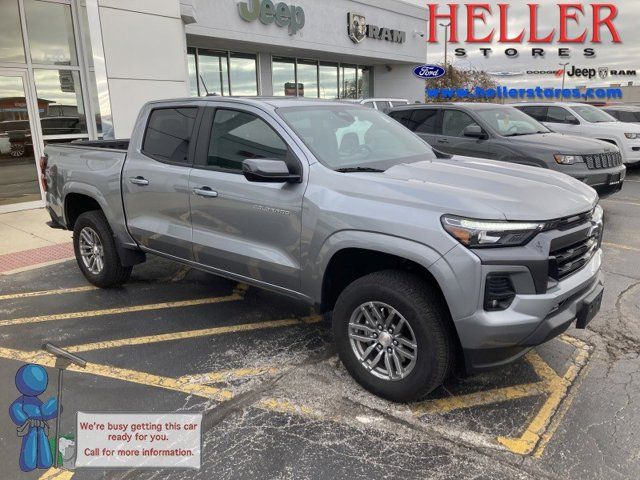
(622, 247)
(180, 384)
(124, 374)
(498, 395)
(558, 388)
(623, 202)
(228, 375)
(166, 337)
(237, 295)
(42, 293)
(56, 474)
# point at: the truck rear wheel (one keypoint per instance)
(96, 251)
(392, 335)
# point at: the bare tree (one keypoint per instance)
(456, 78)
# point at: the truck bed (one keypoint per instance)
(121, 144)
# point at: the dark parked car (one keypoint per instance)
(501, 132)
(624, 113)
(19, 132)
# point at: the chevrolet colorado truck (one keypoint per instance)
(424, 259)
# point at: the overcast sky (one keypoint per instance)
(608, 54)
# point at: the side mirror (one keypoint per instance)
(572, 120)
(474, 131)
(270, 171)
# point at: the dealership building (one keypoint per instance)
(81, 69)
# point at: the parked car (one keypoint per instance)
(588, 121)
(5, 144)
(500, 132)
(18, 132)
(624, 113)
(382, 104)
(418, 257)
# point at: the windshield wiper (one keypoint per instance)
(358, 169)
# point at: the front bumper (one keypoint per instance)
(607, 180)
(511, 333)
(541, 308)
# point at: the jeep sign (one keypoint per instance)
(282, 14)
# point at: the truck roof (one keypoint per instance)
(274, 102)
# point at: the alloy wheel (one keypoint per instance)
(383, 341)
(91, 250)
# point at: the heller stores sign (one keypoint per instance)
(477, 23)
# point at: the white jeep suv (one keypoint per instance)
(588, 121)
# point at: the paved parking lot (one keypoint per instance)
(278, 404)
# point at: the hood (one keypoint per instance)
(491, 190)
(557, 143)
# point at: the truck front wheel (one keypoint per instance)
(96, 252)
(392, 335)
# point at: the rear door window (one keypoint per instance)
(539, 113)
(168, 134)
(383, 106)
(425, 120)
(560, 115)
(403, 116)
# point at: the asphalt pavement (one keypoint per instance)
(278, 404)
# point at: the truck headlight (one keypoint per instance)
(632, 136)
(567, 159)
(598, 213)
(489, 233)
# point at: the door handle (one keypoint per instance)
(139, 181)
(442, 140)
(205, 192)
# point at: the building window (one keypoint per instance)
(328, 74)
(314, 79)
(284, 76)
(307, 78)
(222, 73)
(11, 46)
(193, 72)
(63, 113)
(348, 81)
(50, 33)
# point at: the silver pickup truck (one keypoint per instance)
(425, 260)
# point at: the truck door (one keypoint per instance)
(155, 182)
(240, 227)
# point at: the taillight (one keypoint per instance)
(43, 171)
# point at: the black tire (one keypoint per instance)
(112, 273)
(427, 316)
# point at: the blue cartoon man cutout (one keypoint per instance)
(31, 416)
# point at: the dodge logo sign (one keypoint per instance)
(357, 27)
(426, 72)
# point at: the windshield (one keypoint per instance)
(341, 136)
(592, 114)
(511, 122)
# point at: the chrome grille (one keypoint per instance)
(603, 160)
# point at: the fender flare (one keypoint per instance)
(419, 253)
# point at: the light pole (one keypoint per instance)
(446, 43)
(564, 72)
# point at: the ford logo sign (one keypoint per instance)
(426, 72)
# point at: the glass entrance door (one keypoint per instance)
(18, 167)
